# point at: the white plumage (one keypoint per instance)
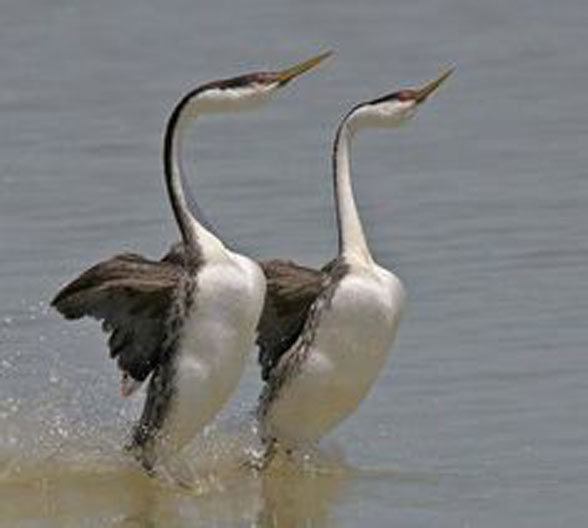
(217, 336)
(351, 345)
(348, 329)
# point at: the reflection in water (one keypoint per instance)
(76, 484)
(295, 495)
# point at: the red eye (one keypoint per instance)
(405, 95)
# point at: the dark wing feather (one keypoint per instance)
(133, 297)
(291, 290)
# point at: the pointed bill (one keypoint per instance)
(422, 94)
(288, 74)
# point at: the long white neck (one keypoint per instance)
(352, 242)
(194, 234)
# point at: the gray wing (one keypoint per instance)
(291, 291)
(133, 297)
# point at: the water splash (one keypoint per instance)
(73, 475)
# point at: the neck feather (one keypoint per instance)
(352, 242)
(186, 211)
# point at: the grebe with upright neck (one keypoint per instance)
(324, 336)
(188, 320)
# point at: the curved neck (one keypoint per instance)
(352, 242)
(186, 211)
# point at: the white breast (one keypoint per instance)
(351, 345)
(217, 336)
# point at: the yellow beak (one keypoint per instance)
(422, 94)
(288, 74)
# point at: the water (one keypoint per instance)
(479, 205)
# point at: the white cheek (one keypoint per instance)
(233, 99)
(389, 115)
(398, 112)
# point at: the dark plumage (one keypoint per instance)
(291, 293)
(142, 304)
(291, 290)
(133, 297)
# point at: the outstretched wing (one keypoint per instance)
(133, 297)
(291, 290)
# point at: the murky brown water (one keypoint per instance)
(71, 488)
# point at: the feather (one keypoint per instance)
(132, 296)
(291, 290)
